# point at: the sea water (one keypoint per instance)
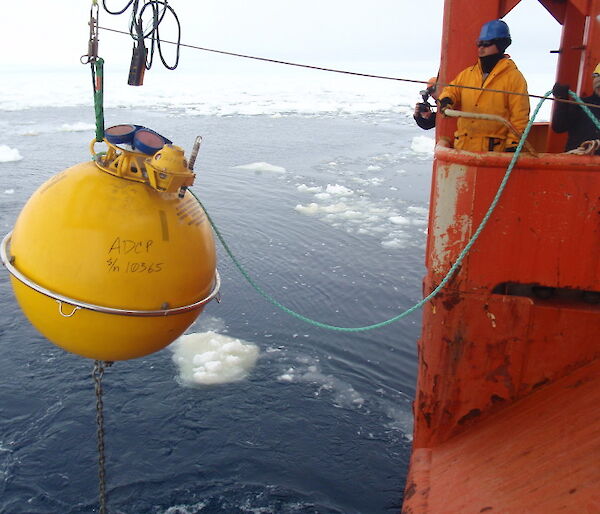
(320, 187)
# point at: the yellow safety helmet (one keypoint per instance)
(596, 69)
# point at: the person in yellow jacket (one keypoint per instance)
(494, 70)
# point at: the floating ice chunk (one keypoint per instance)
(350, 214)
(261, 166)
(8, 154)
(210, 358)
(310, 209)
(394, 243)
(343, 394)
(80, 126)
(423, 211)
(422, 144)
(399, 220)
(288, 376)
(373, 181)
(335, 207)
(303, 188)
(336, 189)
(373, 167)
(9, 191)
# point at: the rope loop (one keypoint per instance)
(586, 148)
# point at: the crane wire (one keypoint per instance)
(354, 73)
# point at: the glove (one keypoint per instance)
(445, 102)
(510, 149)
(560, 90)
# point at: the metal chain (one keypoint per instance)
(98, 374)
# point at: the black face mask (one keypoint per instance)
(489, 61)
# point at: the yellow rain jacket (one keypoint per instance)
(477, 135)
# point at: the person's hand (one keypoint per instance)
(560, 90)
(445, 103)
(422, 110)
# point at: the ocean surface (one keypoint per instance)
(320, 186)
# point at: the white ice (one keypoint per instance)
(208, 358)
(261, 166)
(422, 145)
(308, 370)
(223, 94)
(399, 220)
(80, 126)
(421, 211)
(8, 154)
(336, 189)
(388, 219)
(303, 188)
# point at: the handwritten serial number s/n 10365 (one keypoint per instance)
(121, 246)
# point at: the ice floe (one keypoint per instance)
(8, 154)
(261, 166)
(208, 358)
(422, 145)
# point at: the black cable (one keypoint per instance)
(159, 9)
(154, 34)
(116, 12)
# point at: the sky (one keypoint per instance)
(39, 33)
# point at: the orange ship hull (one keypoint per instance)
(506, 409)
(509, 369)
(538, 455)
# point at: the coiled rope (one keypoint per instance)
(427, 298)
(158, 10)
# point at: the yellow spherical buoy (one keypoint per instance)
(114, 259)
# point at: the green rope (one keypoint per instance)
(98, 83)
(586, 109)
(431, 295)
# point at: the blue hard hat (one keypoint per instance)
(494, 29)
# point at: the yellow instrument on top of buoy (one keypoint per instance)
(113, 259)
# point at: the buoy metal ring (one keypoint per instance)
(7, 261)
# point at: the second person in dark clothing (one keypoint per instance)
(572, 119)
